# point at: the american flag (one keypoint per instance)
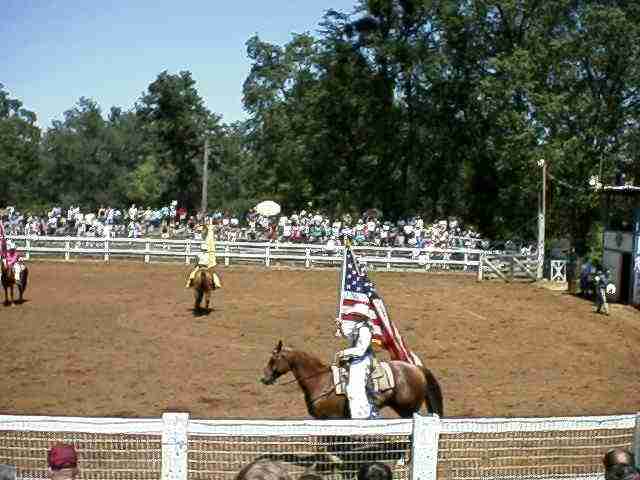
(357, 288)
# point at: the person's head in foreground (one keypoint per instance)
(619, 464)
(63, 461)
(375, 471)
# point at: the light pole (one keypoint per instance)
(205, 177)
(541, 219)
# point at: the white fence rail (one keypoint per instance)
(423, 448)
(268, 254)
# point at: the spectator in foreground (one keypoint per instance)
(63, 462)
(263, 469)
(619, 464)
(375, 471)
(7, 472)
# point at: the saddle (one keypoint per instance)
(380, 378)
(214, 277)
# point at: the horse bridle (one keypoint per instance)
(294, 380)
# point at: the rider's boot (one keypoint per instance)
(190, 279)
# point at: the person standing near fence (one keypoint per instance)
(572, 271)
(602, 282)
(63, 462)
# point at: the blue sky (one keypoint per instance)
(52, 52)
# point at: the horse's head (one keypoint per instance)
(278, 365)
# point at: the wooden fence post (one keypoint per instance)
(636, 441)
(424, 448)
(187, 253)
(512, 267)
(174, 446)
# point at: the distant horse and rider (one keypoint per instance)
(203, 278)
(14, 273)
(414, 386)
(204, 282)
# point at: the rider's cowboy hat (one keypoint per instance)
(11, 245)
(358, 309)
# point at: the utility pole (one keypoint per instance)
(205, 176)
(541, 219)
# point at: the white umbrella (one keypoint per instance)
(268, 208)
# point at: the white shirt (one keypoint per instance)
(361, 334)
(203, 258)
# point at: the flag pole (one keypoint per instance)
(211, 245)
(343, 276)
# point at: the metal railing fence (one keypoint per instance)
(268, 253)
(177, 447)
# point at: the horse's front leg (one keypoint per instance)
(207, 299)
(12, 299)
(6, 296)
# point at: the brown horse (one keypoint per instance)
(413, 385)
(203, 284)
(9, 280)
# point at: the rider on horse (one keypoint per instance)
(9, 254)
(358, 357)
(11, 258)
(203, 264)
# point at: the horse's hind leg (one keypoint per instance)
(207, 298)
(198, 297)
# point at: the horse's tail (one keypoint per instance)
(433, 393)
(204, 281)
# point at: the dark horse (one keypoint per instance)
(203, 284)
(9, 281)
(413, 385)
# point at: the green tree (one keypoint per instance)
(173, 114)
(19, 151)
(77, 167)
(588, 104)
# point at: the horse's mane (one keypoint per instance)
(307, 358)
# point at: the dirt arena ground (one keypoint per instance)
(121, 339)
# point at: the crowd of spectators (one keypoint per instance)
(133, 222)
(299, 227)
(311, 227)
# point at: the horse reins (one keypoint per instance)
(324, 394)
(304, 378)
